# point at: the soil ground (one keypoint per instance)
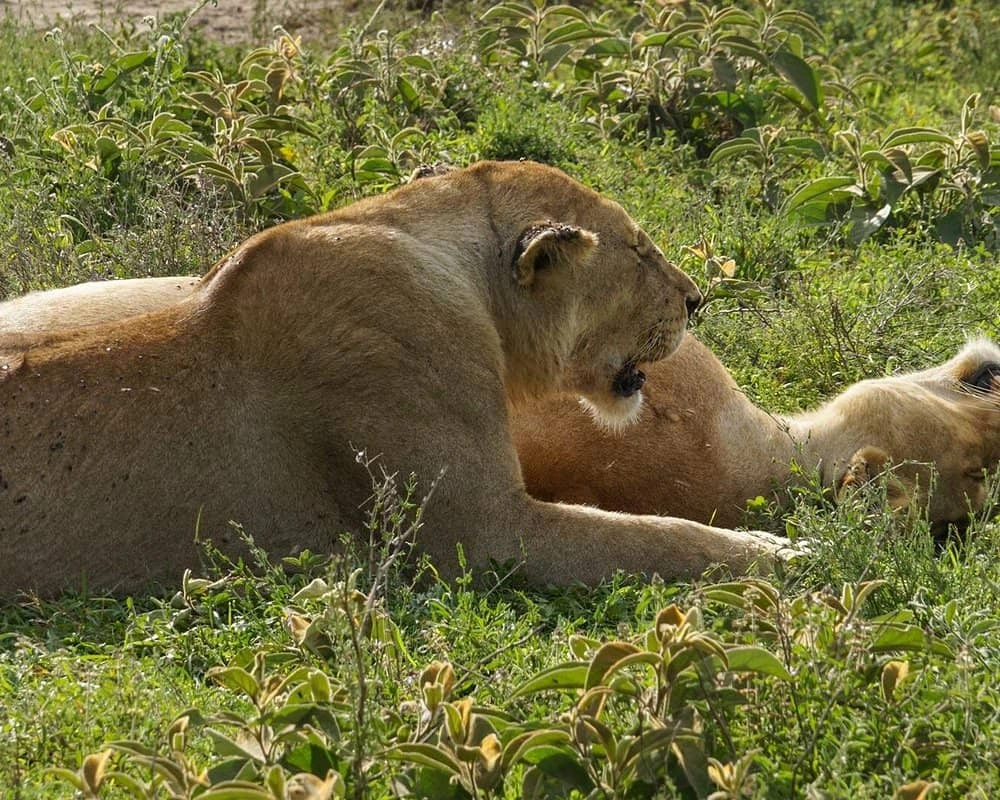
(226, 20)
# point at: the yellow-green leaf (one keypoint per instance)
(756, 659)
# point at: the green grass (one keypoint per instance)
(115, 166)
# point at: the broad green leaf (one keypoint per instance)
(508, 11)
(865, 590)
(317, 587)
(865, 221)
(267, 178)
(645, 658)
(602, 734)
(137, 788)
(648, 742)
(565, 768)
(571, 675)
(383, 165)
(74, 778)
(236, 679)
(802, 146)
(690, 753)
(564, 10)
(406, 134)
(419, 61)
(292, 714)
(572, 31)
(319, 685)
(105, 80)
(427, 755)
(581, 646)
(236, 790)
(900, 161)
(684, 658)
(276, 781)
(554, 54)
(612, 46)
(230, 769)
(263, 149)
(211, 169)
(224, 745)
(653, 40)
(520, 746)
(741, 46)
(800, 75)
(902, 136)
(720, 595)
(310, 757)
(133, 748)
(734, 16)
(747, 658)
(814, 190)
(427, 783)
(131, 61)
(798, 19)
(980, 145)
(164, 767)
(878, 158)
(409, 93)
(934, 158)
(740, 146)
(604, 659)
(673, 37)
(899, 637)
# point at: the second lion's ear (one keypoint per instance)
(547, 245)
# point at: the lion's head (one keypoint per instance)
(593, 297)
(947, 416)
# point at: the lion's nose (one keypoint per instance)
(693, 302)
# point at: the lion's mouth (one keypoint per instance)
(628, 380)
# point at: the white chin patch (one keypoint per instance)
(614, 413)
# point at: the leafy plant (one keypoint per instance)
(701, 72)
(951, 182)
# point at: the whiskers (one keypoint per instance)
(981, 399)
(653, 344)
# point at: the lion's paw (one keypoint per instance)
(779, 547)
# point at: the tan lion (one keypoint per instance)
(701, 449)
(90, 304)
(403, 324)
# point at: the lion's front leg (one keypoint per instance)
(561, 543)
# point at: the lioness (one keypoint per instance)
(90, 304)
(403, 324)
(701, 449)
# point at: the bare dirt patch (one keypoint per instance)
(226, 20)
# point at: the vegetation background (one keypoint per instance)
(830, 173)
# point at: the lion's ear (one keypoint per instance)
(547, 245)
(866, 465)
(430, 171)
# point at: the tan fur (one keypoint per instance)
(90, 304)
(701, 449)
(402, 325)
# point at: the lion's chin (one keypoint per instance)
(616, 412)
(628, 380)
